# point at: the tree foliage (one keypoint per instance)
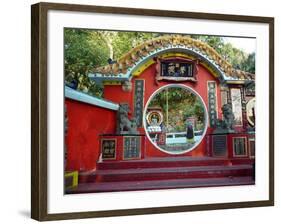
(83, 50)
(236, 57)
(180, 104)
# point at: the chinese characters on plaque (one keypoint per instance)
(177, 69)
(132, 147)
(239, 145)
(138, 103)
(219, 145)
(212, 103)
(108, 149)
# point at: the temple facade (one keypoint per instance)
(132, 140)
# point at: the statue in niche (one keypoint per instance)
(228, 116)
(225, 125)
(124, 124)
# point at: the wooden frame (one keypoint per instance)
(39, 106)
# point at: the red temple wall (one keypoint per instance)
(117, 95)
(85, 123)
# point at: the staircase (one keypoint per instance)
(163, 173)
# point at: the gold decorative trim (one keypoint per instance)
(111, 83)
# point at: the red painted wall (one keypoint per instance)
(85, 123)
(116, 94)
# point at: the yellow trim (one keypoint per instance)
(111, 83)
(74, 175)
(164, 55)
(205, 65)
(141, 68)
(177, 54)
(235, 81)
(144, 66)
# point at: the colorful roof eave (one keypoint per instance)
(110, 76)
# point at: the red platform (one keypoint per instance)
(164, 173)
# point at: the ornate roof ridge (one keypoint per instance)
(132, 57)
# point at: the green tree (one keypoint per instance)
(83, 50)
(125, 41)
(249, 64)
(236, 57)
(214, 41)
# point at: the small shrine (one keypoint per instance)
(174, 114)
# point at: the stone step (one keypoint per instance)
(170, 162)
(166, 173)
(160, 184)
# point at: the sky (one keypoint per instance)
(246, 44)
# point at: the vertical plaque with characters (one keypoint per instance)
(212, 103)
(240, 146)
(219, 145)
(132, 147)
(108, 148)
(138, 103)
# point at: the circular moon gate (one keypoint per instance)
(175, 119)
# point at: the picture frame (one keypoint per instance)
(40, 111)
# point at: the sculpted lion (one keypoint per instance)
(228, 116)
(125, 125)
